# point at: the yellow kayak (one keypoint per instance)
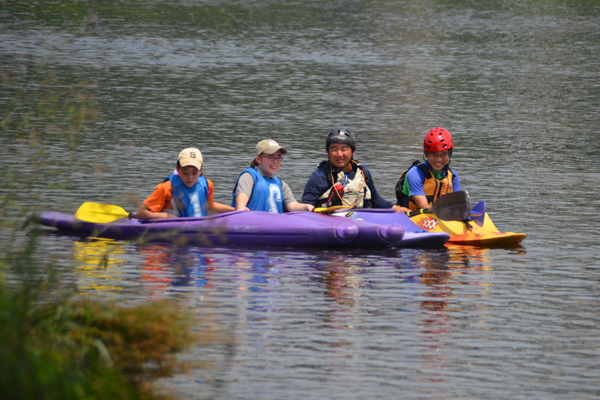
(479, 230)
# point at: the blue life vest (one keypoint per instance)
(189, 201)
(267, 193)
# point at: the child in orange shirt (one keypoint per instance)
(185, 194)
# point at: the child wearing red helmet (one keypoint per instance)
(421, 185)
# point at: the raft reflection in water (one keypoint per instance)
(322, 303)
(453, 282)
(104, 266)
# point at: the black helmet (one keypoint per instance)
(341, 135)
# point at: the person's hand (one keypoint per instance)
(309, 207)
(401, 209)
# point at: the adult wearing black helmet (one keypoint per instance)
(340, 180)
(340, 135)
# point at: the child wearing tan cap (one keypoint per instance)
(259, 189)
(184, 194)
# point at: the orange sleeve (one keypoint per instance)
(209, 200)
(160, 199)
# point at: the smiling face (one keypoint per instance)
(269, 163)
(340, 156)
(189, 175)
(437, 159)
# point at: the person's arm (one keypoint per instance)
(376, 198)
(455, 182)
(289, 201)
(315, 187)
(295, 206)
(156, 201)
(421, 201)
(213, 206)
(243, 191)
(221, 208)
(241, 201)
(146, 213)
(415, 179)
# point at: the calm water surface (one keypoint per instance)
(516, 83)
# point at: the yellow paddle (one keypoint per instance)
(101, 213)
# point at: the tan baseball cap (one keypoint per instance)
(190, 156)
(269, 146)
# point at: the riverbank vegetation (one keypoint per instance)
(55, 347)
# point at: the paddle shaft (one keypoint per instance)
(328, 210)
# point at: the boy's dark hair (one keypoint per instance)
(179, 166)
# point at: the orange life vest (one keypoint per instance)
(432, 186)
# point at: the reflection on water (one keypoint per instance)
(404, 315)
(168, 267)
(98, 265)
(342, 280)
(339, 277)
(101, 266)
(294, 316)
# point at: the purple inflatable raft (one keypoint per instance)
(414, 235)
(256, 228)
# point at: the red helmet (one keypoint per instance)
(438, 139)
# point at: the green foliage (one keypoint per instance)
(54, 348)
(135, 337)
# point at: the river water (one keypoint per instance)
(515, 82)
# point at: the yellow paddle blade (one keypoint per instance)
(328, 210)
(100, 213)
